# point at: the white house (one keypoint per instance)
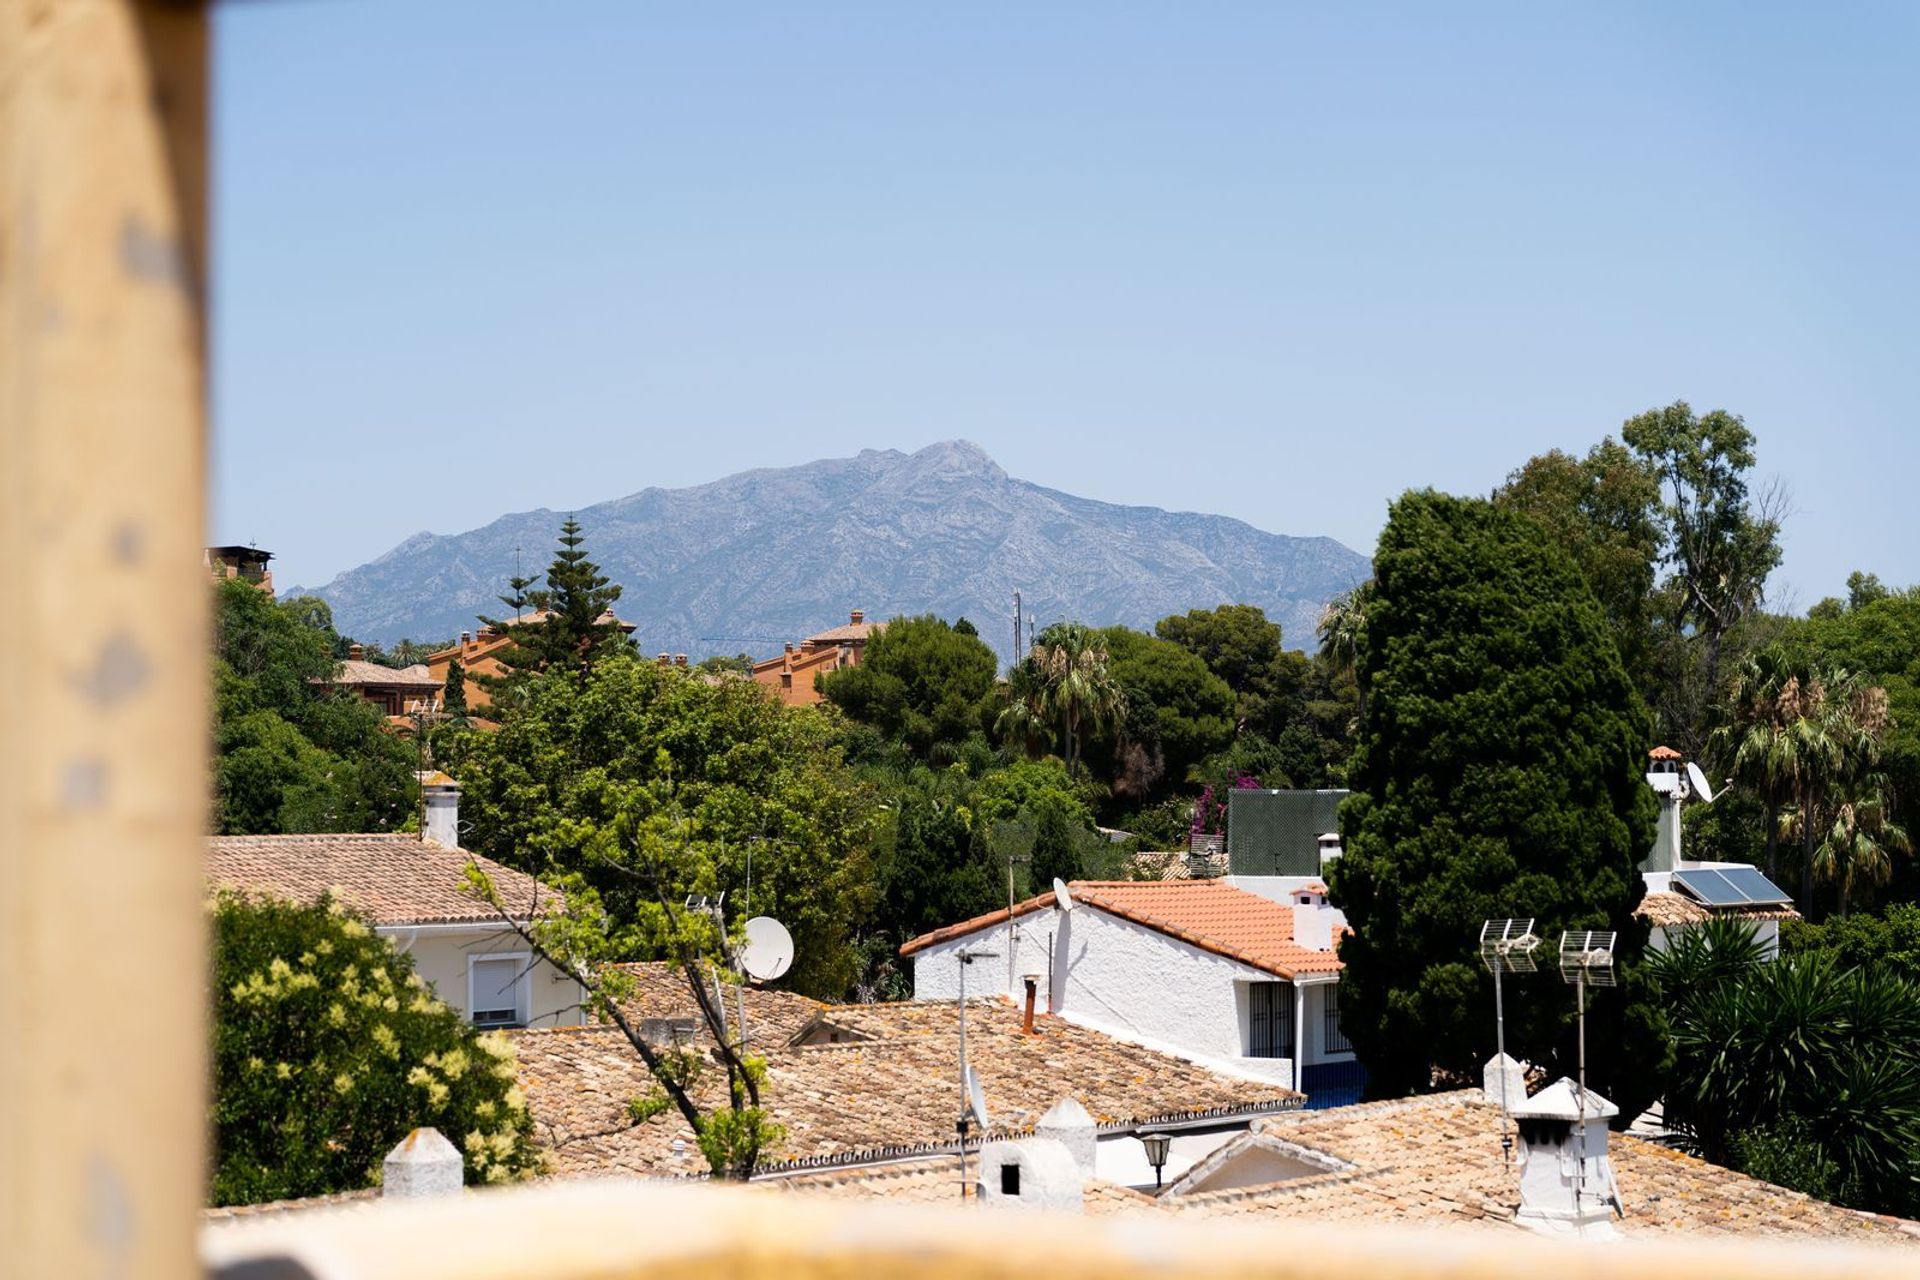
(1683, 894)
(1240, 977)
(413, 888)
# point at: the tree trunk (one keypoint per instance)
(1806, 851)
(1773, 841)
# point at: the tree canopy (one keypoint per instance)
(1498, 773)
(919, 681)
(572, 626)
(698, 776)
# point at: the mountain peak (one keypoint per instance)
(741, 563)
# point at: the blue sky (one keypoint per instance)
(1277, 262)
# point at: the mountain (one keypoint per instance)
(744, 563)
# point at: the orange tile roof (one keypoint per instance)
(1664, 753)
(1209, 914)
(1669, 909)
(395, 879)
(356, 671)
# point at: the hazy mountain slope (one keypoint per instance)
(764, 556)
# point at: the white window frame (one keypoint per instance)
(522, 985)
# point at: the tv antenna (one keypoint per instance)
(1586, 959)
(1506, 946)
(969, 1085)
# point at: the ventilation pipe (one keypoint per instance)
(1033, 991)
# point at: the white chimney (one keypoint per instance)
(1566, 1179)
(424, 1164)
(1313, 919)
(1068, 1123)
(443, 810)
(1033, 1173)
(1503, 1076)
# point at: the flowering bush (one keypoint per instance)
(328, 1048)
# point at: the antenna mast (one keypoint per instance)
(966, 958)
(1506, 946)
(1586, 956)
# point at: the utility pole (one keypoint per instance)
(1016, 627)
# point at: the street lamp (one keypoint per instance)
(1157, 1145)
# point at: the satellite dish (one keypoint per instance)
(977, 1100)
(1061, 897)
(1701, 787)
(769, 949)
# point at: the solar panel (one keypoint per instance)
(1710, 887)
(1757, 887)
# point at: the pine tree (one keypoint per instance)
(454, 703)
(572, 625)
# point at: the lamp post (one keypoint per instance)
(1157, 1145)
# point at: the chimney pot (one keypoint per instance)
(1033, 991)
(424, 1164)
(356, 652)
(465, 638)
(679, 659)
(664, 659)
(789, 646)
(858, 617)
(443, 813)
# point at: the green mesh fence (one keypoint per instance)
(1277, 833)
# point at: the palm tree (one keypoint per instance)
(1024, 721)
(1832, 725)
(1342, 631)
(1860, 840)
(1070, 668)
(1754, 742)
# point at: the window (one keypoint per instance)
(1332, 1041)
(1269, 1020)
(497, 990)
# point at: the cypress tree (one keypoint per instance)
(454, 703)
(1498, 773)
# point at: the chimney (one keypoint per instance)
(1566, 1179)
(1313, 919)
(424, 1164)
(664, 659)
(443, 809)
(1033, 991)
(356, 652)
(1502, 1075)
(1032, 1173)
(789, 648)
(1068, 1123)
(679, 659)
(466, 638)
(858, 617)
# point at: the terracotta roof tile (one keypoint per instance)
(353, 671)
(1209, 914)
(1437, 1159)
(395, 879)
(1664, 753)
(1668, 909)
(773, 1017)
(893, 1090)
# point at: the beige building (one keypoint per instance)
(413, 889)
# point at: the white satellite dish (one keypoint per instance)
(1698, 780)
(1061, 897)
(977, 1101)
(769, 949)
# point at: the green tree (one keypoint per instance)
(1342, 632)
(1800, 1049)
(920, 682)
(1755, 739)
(293, 753)
(572, 627)
(585, 775)
(454, 700)
(1861, 839)
(1170, 698)
(1833, 723)
(1068, 683)
(1498, 773)
(1722, 542)
(1888, 943)
(1056, 853)
(1605, 510)
(328, 1049)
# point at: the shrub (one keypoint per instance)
(328, 1048)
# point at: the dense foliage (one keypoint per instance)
(921, 683)
(705, 774)
(328, 1049)
(1887, 943)
(1497, 773)
(291, 753)
(1802, 1070)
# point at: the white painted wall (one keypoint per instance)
(1118, 977)
(440, 957)
(1766, 932)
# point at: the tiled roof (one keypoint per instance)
(395, 879)
(1209, 914)
(353, 671)
(896, 1092)
(1437, 1159)
(936, 1180)
(849, 631)
(1668, 909)
(1664, 753)
(660, 991)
